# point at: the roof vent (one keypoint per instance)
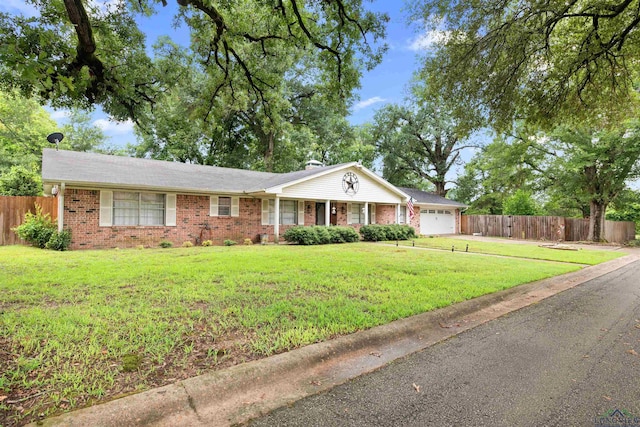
(313, 164)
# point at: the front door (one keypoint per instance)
(320, 211)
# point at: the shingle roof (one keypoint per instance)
(87, 169)
(424, 197)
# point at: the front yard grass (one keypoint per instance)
(581, 256)
(82, 326)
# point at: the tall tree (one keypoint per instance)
(511, 162)
(422, 140)
(24, 126)
(80, 134)
(597, 164)
(20, 181)
(585, 167)
(305, 123)
(84, 53)
(547, 61)
(520, 203)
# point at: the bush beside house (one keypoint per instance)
(320, 235)
(41, 231)
(377, 233)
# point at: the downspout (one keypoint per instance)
(61, 207)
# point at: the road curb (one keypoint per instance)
(240, 393)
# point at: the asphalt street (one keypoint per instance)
(565, 361)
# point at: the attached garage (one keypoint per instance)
(437, 221)
(438, 215)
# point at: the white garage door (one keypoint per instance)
(437, 221)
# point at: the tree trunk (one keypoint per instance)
(596, 221)
(440, 190)
(268, 153)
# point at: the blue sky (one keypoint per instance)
(385, 83)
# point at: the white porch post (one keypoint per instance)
(398, 207)
(276, 220)
(327, 213)
(60, 207)
(366, 213)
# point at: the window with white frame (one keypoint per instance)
(131, 208)
(357, 213)
(291, 212)
(288, 212)
(402, 217)
(224, 206)
(272, 211)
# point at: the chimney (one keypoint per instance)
(313, 164)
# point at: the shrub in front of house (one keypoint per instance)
(320, 235)
(402, 232)
(302, 235)
(36, 229)
(59, 240)
(229, 242)
(166, 244)
(343, 235)
(377, 232)
(373, 233)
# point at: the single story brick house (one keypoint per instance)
(113, 201)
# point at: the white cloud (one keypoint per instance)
(58, 115)
(434, 33)
(426, 40)
(368, 102)
(13, 6)
(105, 6)
(114, 127)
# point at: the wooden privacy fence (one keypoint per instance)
(552, 228)
(12, 210)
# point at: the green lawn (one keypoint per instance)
(581, 256)
(85, 325)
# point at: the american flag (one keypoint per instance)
(410, 208)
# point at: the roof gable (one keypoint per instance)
(294, 179)
(348, 183)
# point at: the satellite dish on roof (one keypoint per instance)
(55, 138)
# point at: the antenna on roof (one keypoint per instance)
(55, 138)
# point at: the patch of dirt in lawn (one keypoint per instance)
(198, 353)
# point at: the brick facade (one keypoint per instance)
(193, 223)
(385, 214)
(82, 212)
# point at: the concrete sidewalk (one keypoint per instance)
(240, 393)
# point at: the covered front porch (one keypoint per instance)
(332, 213)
